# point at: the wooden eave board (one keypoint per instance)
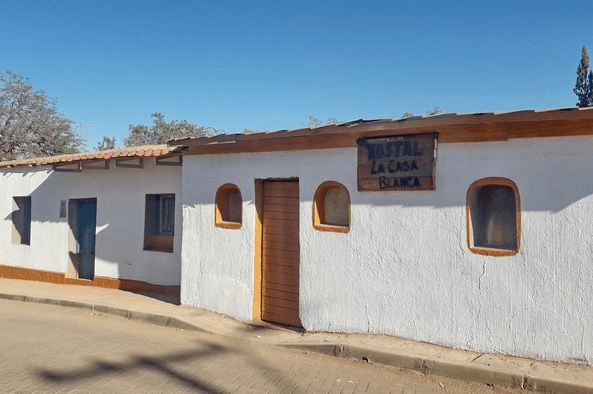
(451, 129)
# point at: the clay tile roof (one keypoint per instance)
(137, 151)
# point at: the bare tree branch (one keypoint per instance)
(30, 124)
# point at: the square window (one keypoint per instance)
(159, 222)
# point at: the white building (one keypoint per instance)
(496, 256)
(85, 219)
(470, 231)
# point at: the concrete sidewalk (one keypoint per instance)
(487, 368)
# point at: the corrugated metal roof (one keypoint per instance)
(137, 151)
(460, 129)
(444, 119)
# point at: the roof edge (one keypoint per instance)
(451, 127)
(132, 152)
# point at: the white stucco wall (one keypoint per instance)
(404, 268)
(120, 194)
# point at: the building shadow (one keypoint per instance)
(104, 370)
(174, 299)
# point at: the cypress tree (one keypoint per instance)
(583, 87)
(590, 88)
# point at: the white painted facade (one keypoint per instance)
(120, 194)
(405, 268)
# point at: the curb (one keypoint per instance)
(426, 366)
(450, 369)
(150, 318)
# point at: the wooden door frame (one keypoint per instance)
(257, 270)
(72, 270)
(259, 225)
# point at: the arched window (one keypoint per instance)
(493, 217)
(331, 207)
(229, 207)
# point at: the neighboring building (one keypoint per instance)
(470, 231)
(91, 218)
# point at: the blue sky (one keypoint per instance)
(269, 65)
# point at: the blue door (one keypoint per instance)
(86, 212)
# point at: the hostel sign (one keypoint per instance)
(403, 162)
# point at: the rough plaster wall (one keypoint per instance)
(404, 268)
(22, 182)
(217, 268)
(120, 194)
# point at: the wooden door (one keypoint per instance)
(280, 253)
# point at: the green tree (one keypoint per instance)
(583, 87)
(106, 144)
(161, 131)
(590, 83)
(30, 124)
